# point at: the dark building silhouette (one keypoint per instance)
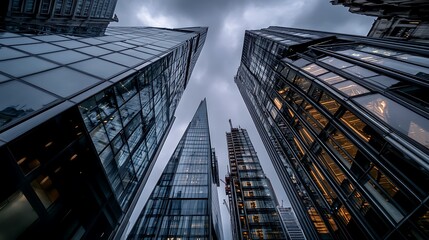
(345, 122)
(404, 20)
(82, 122)
(251, 197)
(184, 204)
(74, 17)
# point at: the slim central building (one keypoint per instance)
(251, 197)
(82, 120)
(184, 203)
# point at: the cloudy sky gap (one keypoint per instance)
(213, 76)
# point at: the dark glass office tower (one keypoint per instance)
(74, 17)
(81, 122)
(184, 203)
(251, 197)
(396, 19)
(345, 121)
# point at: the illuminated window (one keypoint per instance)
(329, 103)
(356, 125)
(45, 190)
(315, 69)
(317, 221)
(397, 116)
(336, 62)
(302, 83)
(331, 78)
(350, 88)
(278, 103)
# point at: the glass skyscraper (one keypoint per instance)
(345, 121)
(253, 204)
(184, 203)
(75, 17)
(290, 223)
(81, 121)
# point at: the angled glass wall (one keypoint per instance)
(344, 120)
(182, 204)
(109, 100)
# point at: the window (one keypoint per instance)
(331, 78)
(329, 103)
(315, 69)
(335, 62)
(350, 88)
(16, 215)
(397, 116)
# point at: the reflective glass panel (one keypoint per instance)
(98, 67)
(39, 48)
(15, 67)
(18, 99)
(315, 69)
(397, 116)
(350, 88)
(8, 53)
(16, 215)
(62, 81)
(331, 78)
(336, 62)
(65, 57)
(360, 72)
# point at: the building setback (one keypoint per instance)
(290, 223)
(251, 197)
(184, 204)
(82, 120)
(345, 121)
(73, 17)
(403, 19)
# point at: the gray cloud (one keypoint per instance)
(214, 73)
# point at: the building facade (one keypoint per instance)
(184, 204)
(251, 197)
(403, 20)
(73, 17)
(290, 223)
(81, 123)
(345, 122)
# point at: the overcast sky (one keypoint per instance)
(213, 76)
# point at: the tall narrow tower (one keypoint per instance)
(251, 196)
(184, 202)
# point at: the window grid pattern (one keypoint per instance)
(307, 111)
(180, 204)
(251, 197)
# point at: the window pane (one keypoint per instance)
(65, 57)
(8, 53)
(18, 99)
(331, 78)
(39, 48)
(360, 72)
(62, 81)
(16, 215)
(350, 88)
(397, 116)
(315, 70)
(32, 65)
(329, 103)
(45, 190)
